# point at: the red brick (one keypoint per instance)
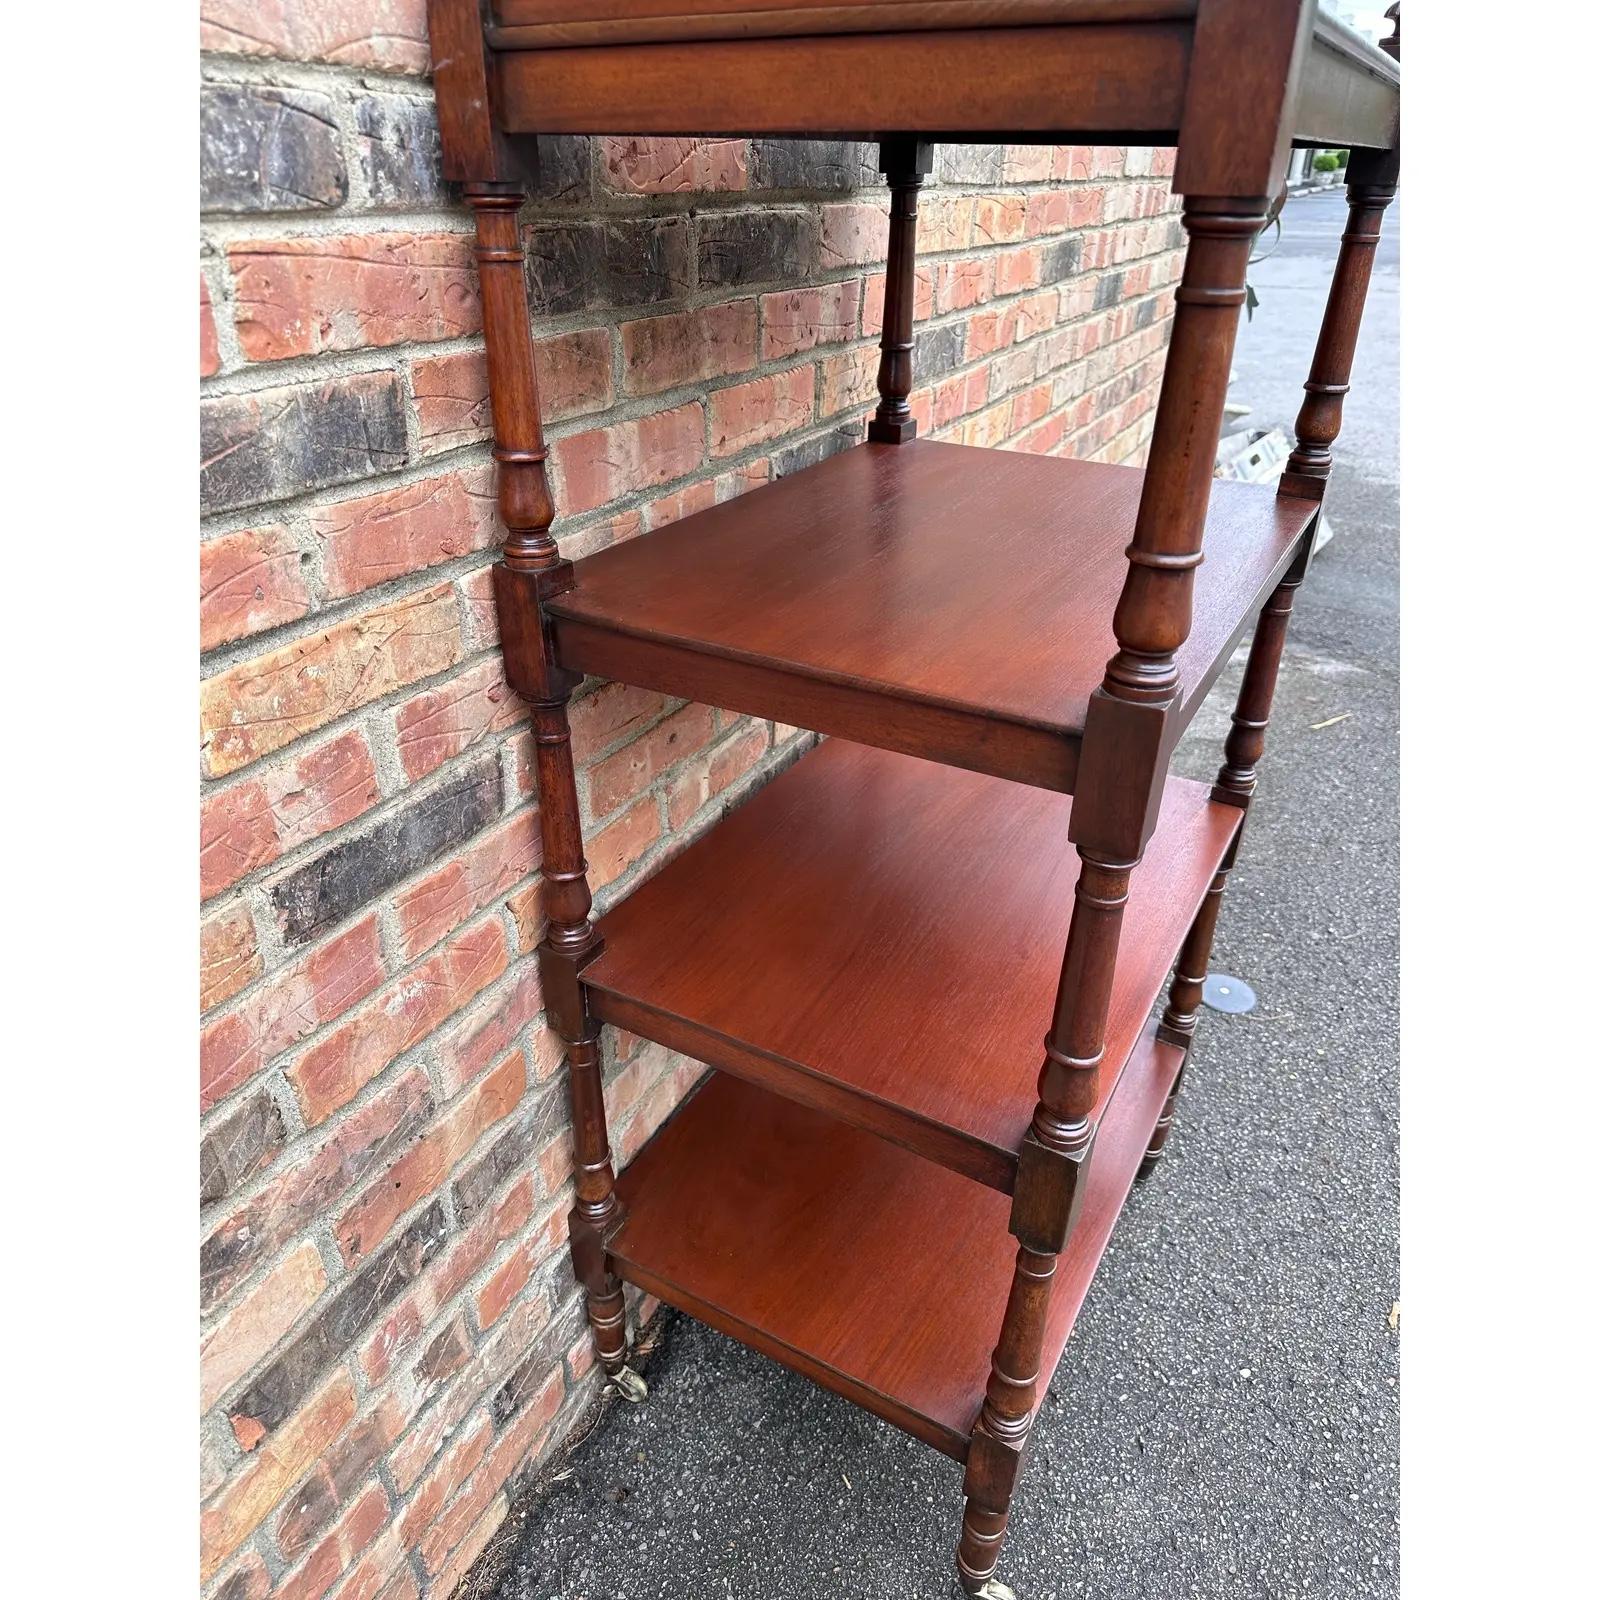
(210, 361)
(253, 823)
(1027, 408)
(456, 1530)
(688, 347)
(796, 320)
(247, 1579)
(616, 847)
(620, 778)
(1086, 207)
(854, 234)
(743, 478)
(1043, 439)
(501, 1350)
(349, 33)
(297, 1196)
(228, 956)
(331, 1559)
(492, 864)
(332, 1073)
(709, 778)
(298, 297)
(451, 395)
(614, 712)
(1071, 161)
(472, 1545)
(751, 413)
(315, 989)
(480, 628)
(607, 463)
(999, 219)
(425, 1166)
(674, 166)
(574, 372)
(440, 723)
(872, 301)
(452, 392)
(1016, 270)
(1032, 314)
(850, 379)
(944, 222)
(1027, 163)
(456, 1465)
(396, 1336)
(382, 1573)
(377, 537)
(262, 704)
(250, 580)
(503, 1285)
(253, 1326)
(527, 911)
(272, 1471)
(1047, 211)
(960, 395)
(965, 283)
(682, 503)
(987, 332)
(489, 1030)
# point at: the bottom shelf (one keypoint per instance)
(874, 1272)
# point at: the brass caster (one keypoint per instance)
(629, 1385)
(992, 1589)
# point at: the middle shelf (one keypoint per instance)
(880, 937)
(938, 599)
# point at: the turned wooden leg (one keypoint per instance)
(1178, 1021)
(1000, 1437)
(530, 572)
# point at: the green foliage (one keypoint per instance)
(1325, 161)
(1344, 157)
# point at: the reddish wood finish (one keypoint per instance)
(878, 937)
(874, 937)
(1370, 190)
(546, 24)
(530, 570)
(865, 597)
(905, 163)
(1121, 82)
(1049, 70)
(877, 1274)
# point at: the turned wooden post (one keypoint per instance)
(1373, 176)
(1127, 740)
(1228, 162)
(905, 163)
(530, 571)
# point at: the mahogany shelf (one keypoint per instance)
(943, 600)
(879, 937)
(878, 1275)
(922, 962)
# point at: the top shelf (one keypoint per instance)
(942, 600)
(1032, 70)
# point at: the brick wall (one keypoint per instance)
(392, 1341)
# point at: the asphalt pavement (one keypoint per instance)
(1224, 1422)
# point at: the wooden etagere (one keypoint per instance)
(887, 1184)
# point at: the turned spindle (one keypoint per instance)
(531, 569)
(905, 163)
